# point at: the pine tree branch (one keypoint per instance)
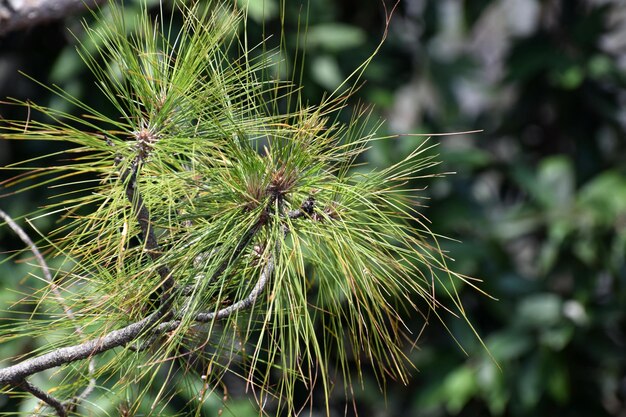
(129, 177)
(20, 14)
(57, 294)
(43, 396)
(205, 317)
(17, 373)
(243, 243)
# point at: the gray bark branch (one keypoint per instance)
(51, 401)
(205, 317)
(44, 396)
(17, 373)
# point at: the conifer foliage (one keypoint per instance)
(216, 224)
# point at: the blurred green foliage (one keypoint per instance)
(538, 202)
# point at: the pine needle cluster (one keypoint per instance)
(230, 213)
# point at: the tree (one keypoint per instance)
(217, 224)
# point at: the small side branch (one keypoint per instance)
(16, 373)
(31, 245)
(243, 243)
(205, 317)
(242, 304)
(57, 294)
(90, 386)
(43, 396)
(145, 223)
(42, 263)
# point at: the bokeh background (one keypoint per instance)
(536, 207)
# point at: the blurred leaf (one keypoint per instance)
(585, 249)
(335, 37)
(603, 198)
(530, 385)
(68, 65)
(532, 57)
(509, 344)
(618, 250)
(326, 72)
(555, 182)
(470, 158)
(558, 230)
(556, 338)
(260, 10)
(492, 385)
(540, 310)
(600, 66)
(570, 78)
(557, 379)
(459, 386)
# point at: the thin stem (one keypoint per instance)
(43, 396)
(129, 177)
(225, 312)
(90, 386)
(55, 290)
(16, 373)
(243, 243)
(40, 259)
(242, 304)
